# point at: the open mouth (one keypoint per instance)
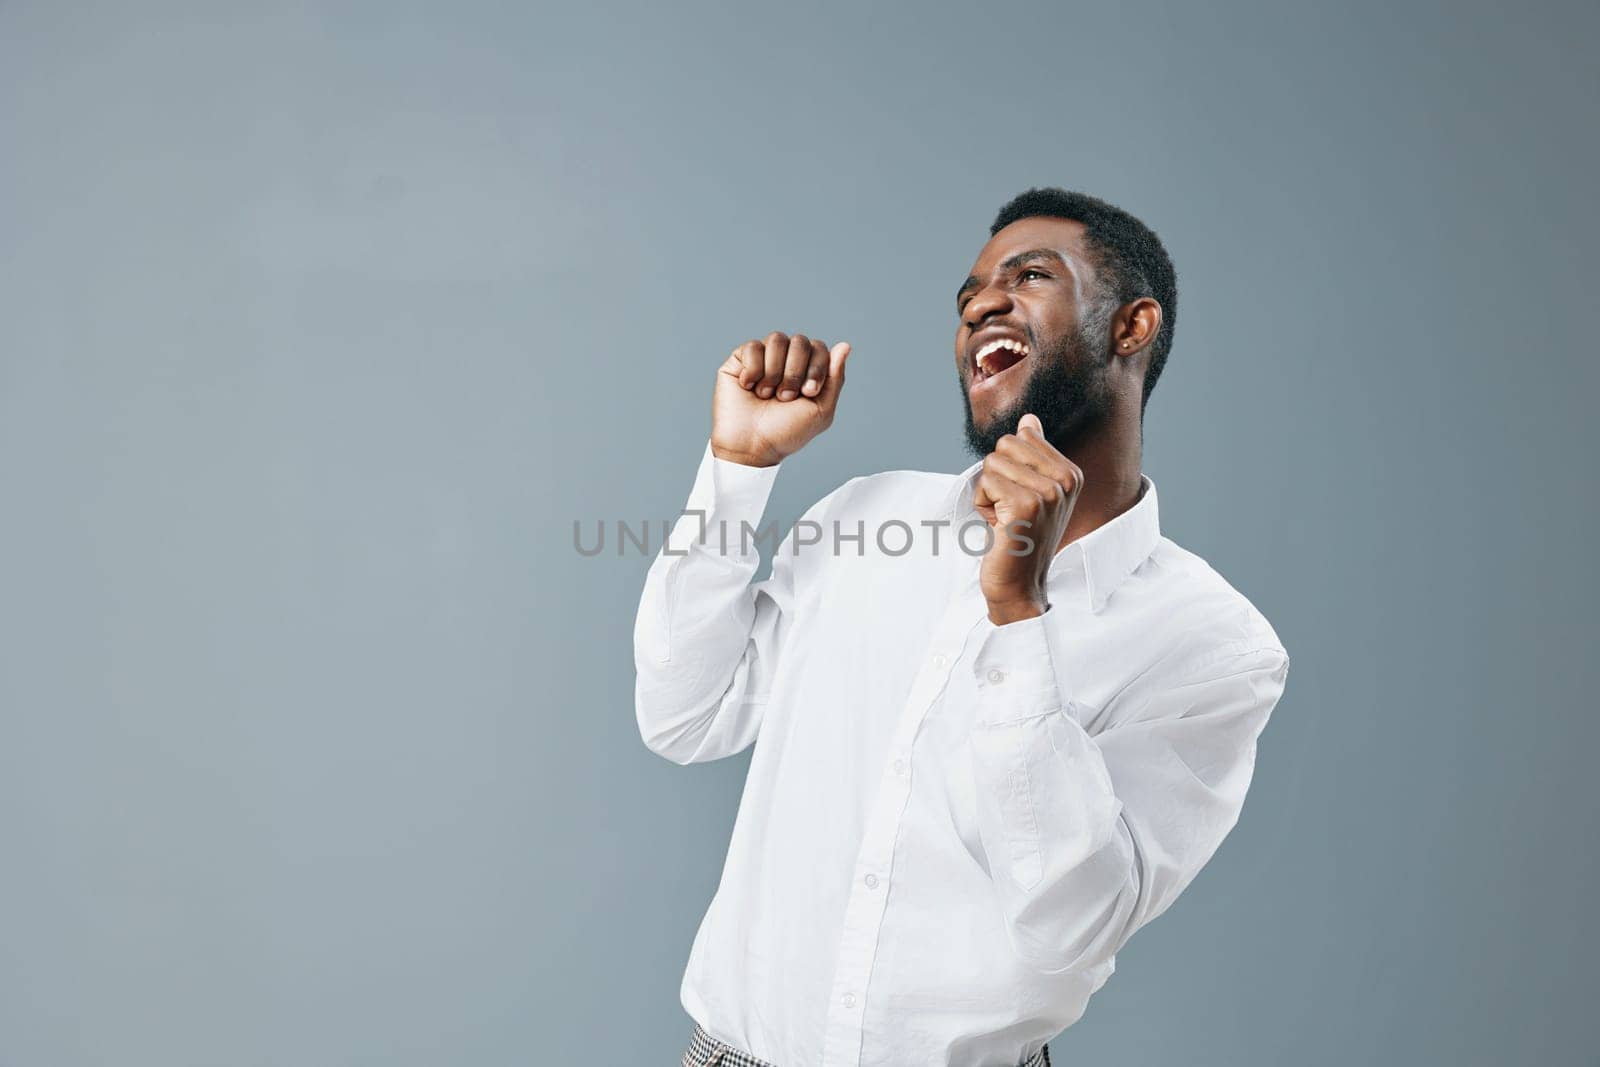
(996, 357)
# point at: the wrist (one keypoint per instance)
(1005, 611)
(743, 459)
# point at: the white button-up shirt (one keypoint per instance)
(948, 827)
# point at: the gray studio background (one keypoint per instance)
(320, 325)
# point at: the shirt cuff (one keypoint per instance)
(725, 494)
(1017, 671)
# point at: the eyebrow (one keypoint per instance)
(1030, 256)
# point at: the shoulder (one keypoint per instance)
(1213, 625)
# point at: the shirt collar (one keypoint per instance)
(1104, 556)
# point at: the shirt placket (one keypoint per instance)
(870, 883)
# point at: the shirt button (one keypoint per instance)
(997, 676)
(872, 881)
(939, 661)
(849, 1000)
(899, 766)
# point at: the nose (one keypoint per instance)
(990, 300)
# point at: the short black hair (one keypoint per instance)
(1129, 256)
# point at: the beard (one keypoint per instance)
(1068, 390)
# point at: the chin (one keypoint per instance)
(998, 415)
(998, 412)
(983, 439)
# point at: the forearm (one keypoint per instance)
(1091, 837)
(697, 617)
(1062, 861)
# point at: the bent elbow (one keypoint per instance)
(673, 731)
(1093, 946)
(1079, 922)
(690, 725)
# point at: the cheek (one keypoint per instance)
(1050, 321)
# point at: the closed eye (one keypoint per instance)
(1022, 275)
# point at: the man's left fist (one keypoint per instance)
(1025, 493)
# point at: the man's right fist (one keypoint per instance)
(773, 396)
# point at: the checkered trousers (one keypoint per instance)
(706, 1051)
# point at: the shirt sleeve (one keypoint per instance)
(707, 640)
(1090, 838)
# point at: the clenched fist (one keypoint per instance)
(1025, 492)
(773, 396)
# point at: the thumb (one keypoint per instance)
(836, 357)
(828, 398)
(1030, 421)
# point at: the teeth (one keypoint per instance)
(994, 346)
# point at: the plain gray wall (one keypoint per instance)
(319, 326)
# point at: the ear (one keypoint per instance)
(1135, 325)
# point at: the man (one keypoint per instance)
(1000, 721)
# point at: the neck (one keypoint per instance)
(1111, 478)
